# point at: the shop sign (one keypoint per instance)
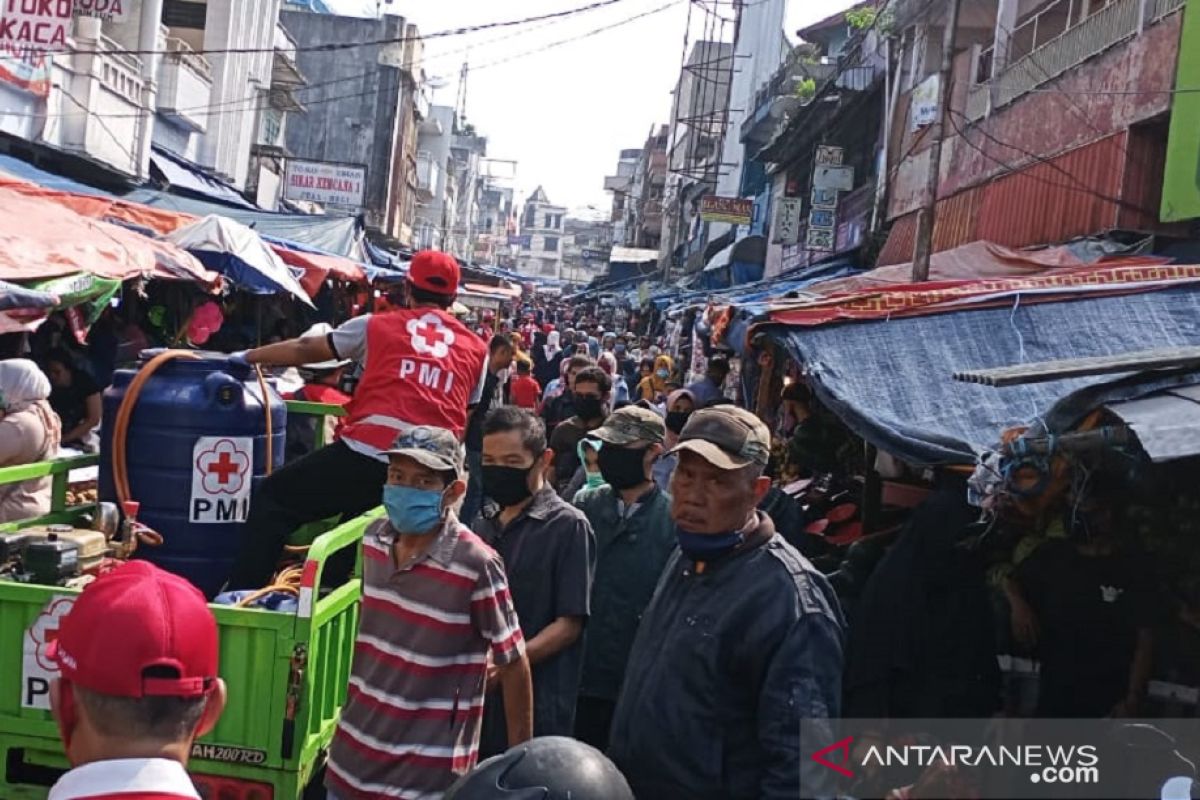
(787, 221)
(829, 155)
(824, 198)
(820, 239)
(821, 218)
(733, 210)
(222, 472)
(925, 102)
(327, 183)
(830, 177)
(523, 241)
(28, 70)
(104, 9)
(39, 25)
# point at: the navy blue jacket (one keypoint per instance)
(725, 665)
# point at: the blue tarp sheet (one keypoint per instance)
(28, 172)
(329, 234)
(14, 296)
(890, 380)
(183, 174)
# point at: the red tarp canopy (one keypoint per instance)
(316, 267)
(917, 299)
(43, 239)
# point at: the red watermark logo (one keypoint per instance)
(842, 749)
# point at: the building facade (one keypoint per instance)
(358, 116)
(541, 240)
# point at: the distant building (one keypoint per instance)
(543, 226)
(621, 186)
(362, 117)
(437, 202)
(588, 245)
(495, 222)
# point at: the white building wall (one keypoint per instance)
(240, 81)
(761, 48)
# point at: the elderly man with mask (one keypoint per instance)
(742, 640)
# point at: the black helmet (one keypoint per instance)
(545, 768)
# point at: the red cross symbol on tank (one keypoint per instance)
(223, 468)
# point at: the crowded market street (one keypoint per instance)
(366, 433)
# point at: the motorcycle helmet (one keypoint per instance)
(545, 768)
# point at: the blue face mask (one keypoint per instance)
(663, 373)
(413, 512)
(707, 546)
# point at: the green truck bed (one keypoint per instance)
(287, 676)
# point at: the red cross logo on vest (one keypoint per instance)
(430, 336)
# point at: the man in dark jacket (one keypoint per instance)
(742, 640)
(631, 518)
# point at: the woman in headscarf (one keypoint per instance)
(654, 387)
(680, 405)
(546, 358)
(620, 389)
(29, 432)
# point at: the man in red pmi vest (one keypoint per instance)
(137, 657)
(421, 366)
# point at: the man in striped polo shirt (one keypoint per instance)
(435, 605)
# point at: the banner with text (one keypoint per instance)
(733, 210)
(341, 185)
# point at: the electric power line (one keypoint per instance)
(261, 100)
(334, 46)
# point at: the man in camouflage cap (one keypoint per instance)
(634, 537)
(742, 639)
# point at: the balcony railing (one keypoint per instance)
(1039, 57)
(184, 85)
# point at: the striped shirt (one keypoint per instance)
(411, 721)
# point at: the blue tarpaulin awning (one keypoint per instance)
(890, 380)
(183, 174)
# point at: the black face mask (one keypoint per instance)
(676, 420)
(508, 486)
(621, 467)
(589, 407)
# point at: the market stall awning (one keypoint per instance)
(891, 379)
(1167, 424)
(40, 239)
(240, 254)
(182, 174)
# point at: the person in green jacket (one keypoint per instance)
(634, 537)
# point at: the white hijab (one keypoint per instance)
(22, 384)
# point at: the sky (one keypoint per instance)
(565, 113)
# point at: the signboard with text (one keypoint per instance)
(733, 210)
(341, 185)
(787, 221)
(831, 177)
(37, 25)
(28, 70)
(104, 9)
(925, 102)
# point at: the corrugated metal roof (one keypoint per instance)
(1044, 203)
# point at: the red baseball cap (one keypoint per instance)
(434, 271)
(132, 619)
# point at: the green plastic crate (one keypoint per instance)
(287, 676)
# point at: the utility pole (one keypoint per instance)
(925, 217)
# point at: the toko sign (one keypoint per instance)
(342, 185)
(35, 25)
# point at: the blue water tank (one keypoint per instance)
(195, 450)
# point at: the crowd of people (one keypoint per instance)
(572, 547)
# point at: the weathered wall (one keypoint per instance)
(1047, 123)
(352, 101)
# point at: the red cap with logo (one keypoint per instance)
(434, 271)
(134, 619)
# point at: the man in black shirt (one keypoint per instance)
(592, 389)
(1084, 605)
(500, 358)
(549, 554)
